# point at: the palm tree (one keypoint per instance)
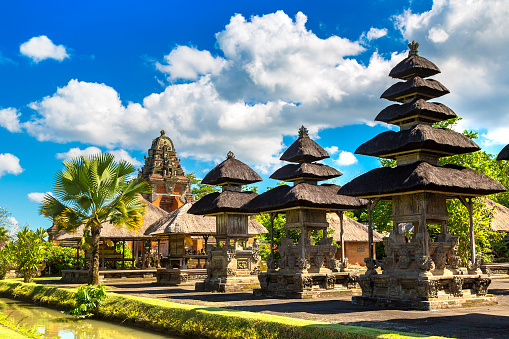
(93, 190)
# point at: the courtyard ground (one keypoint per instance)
(471, 322)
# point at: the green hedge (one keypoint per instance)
(190, 320)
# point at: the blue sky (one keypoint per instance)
(228, 75)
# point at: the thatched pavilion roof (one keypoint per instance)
(425, 137)
(427, 88)
(421, 176)
(231, 171)
(226, 201)
(414, 65)
(182, 222)
(153, 214)
(353, 230)
(304, 195)
(504, 153)
(305, 170)
(304, 149)
(500, 222)
(418, 107)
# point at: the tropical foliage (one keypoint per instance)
(62, 258)
(28, 252)
(198, 189)
(90, 191)
(87, 299)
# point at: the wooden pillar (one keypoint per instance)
(342, 237)
(206, 240)
(168, 262)
(123, 254)
(77, 257)
(302, 235)
(158, 253)
(102, 255)
(371, 206)
(273, 264)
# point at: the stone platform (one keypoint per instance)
(179, 277)
(307, 285)
(109, 276)
(230, 284)
(424, 305)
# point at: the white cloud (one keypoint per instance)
(376, 33)
(346, 159)
(189, 63)
(332, 150)
(473, 61)
(13, 228)
(37, 196)
(9, 164)
(9, 119)
(78, 152)
(437, 34)
(41, 47)
(119, 154)
(275, 76)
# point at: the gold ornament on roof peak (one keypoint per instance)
(230, 155)
(303, 132)
(413, 48)
(162, 132)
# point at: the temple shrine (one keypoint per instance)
(232, 264)
(162, 170)
(306, 269)
(419, 273)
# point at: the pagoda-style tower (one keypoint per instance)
(307, 269)
(231, 265)
(417, 272)
(162, 170)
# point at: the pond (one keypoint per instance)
(52, 323)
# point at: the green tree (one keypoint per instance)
(199, 189)
(5, 224)
(29, 251)
(93, 190)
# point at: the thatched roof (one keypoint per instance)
(353, 230)
(414, 65)
(153, 214)
(182, 222)
(304, 170)
(304, 149)
(504, 153)
(434, 140)
(231, 171)
(426, 88)
(227, 201)
(418, 176)
(304, 195)
(418, 107)
(500, 222)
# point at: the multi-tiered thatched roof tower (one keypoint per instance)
(419, 273)
(306, 269)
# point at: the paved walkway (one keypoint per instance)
(473, 322)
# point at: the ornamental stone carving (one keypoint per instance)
(404, 259)
(393, 287)
(456, 286)
(352, 280)
(281, 282)
(366, 286)
(481, 286)
(440, 258)
(303, 263)
(388, 263)
(455, 261)
(242, 265)
(255, 270)
(329, 282)
(427, 288)
(230, 272)
(319, 260)
(425, 263)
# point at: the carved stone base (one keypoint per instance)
(178, 277)
(231, 284)
(307, 285)
(425, 293)
(424, 305)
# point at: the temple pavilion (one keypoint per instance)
(233, 264)
(305, 269)
(418, 273)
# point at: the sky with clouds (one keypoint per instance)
(82, 78)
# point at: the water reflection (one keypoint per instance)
(52, 323)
